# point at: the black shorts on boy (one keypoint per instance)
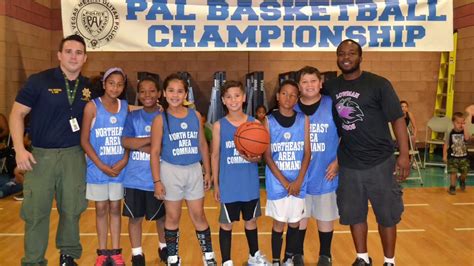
(230, 212)
(140, 203)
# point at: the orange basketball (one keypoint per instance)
(251, 138)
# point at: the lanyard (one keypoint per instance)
(71, 93)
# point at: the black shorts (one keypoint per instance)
(230, 212)
(377, 184)
(140, 203)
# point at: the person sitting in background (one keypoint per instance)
(4, 131)
(411, 125)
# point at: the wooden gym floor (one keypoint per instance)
(436, 229)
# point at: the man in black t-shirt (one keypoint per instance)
(363, 105)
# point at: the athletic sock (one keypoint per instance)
(252, 240)
(291, 240)
(172, 239)
(300, 244)
(325, 239)
(389, 260)
(137, 251)
(204, 238)
(161, 245)
(364, 256)
(225, 241)
(277, 241)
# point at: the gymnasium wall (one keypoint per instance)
(29, 38)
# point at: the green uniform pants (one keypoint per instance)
(58, 173)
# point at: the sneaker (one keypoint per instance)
(258, 260)
(361, 262)
(174, 260)
(298, 260)
(163, 254)
(288, 262)
(209, 259)
(275, 262)
(102, 257)
(462, 184)
(228, 263)
(388, 264)
(138, 260)
(452, 190)
(66, 260)
(19, 197)
(324, 261)
(116, 257)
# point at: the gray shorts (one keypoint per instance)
(377, 185)
(322, 207)
(103, 192)
(182, 181)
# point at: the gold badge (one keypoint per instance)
(55, 90)
(86, 94)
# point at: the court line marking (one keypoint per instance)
(463, 203)
(464, 229)
(260, 233)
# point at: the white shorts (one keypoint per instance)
(103, 192)
(182, 181)
(287, 210)
(322, 207)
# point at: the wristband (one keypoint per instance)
(154, 182)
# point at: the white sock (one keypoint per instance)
(389, 260)
(137, 251)
(161, 245)
(364, 256)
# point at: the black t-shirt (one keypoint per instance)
(284, 121)
(457, 147)
(45, 93)
(309, 110)
(364, 107)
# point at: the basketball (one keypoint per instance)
(251, 138)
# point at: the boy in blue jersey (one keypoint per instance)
(101, 134)
(287, 160)
(322, 171)
(139, 199)
(236, 180)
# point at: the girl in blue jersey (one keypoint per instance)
(101, 134)
(236, 180)
(287, 160)
(322, 171)
(139, 199)
(177, 147)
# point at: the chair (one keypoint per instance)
(414, 155)
(435, 125)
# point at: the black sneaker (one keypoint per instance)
(361, 262)
(452, 190)
(324, 261)
(20, 197)
(138, 260)
(163, 254)
(462, 184)
(388, 264)
(66, 260)
(298, 260)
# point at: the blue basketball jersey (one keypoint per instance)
(324, 142)
(105, 137)
(138, 173)
(287, 150)
(238, 178)
(180, 143)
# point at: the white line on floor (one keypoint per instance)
(463, 203)
(464, 229)
(416, 204)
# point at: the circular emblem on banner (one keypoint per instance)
(147, 128)
(184, 125)
(113, 119)
(287, 135)
(96, 21)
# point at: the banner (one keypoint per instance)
(259, 25)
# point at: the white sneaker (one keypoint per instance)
(288, 262)
(258, 260)
(209, 259)
(228, 263)
(173, 260)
